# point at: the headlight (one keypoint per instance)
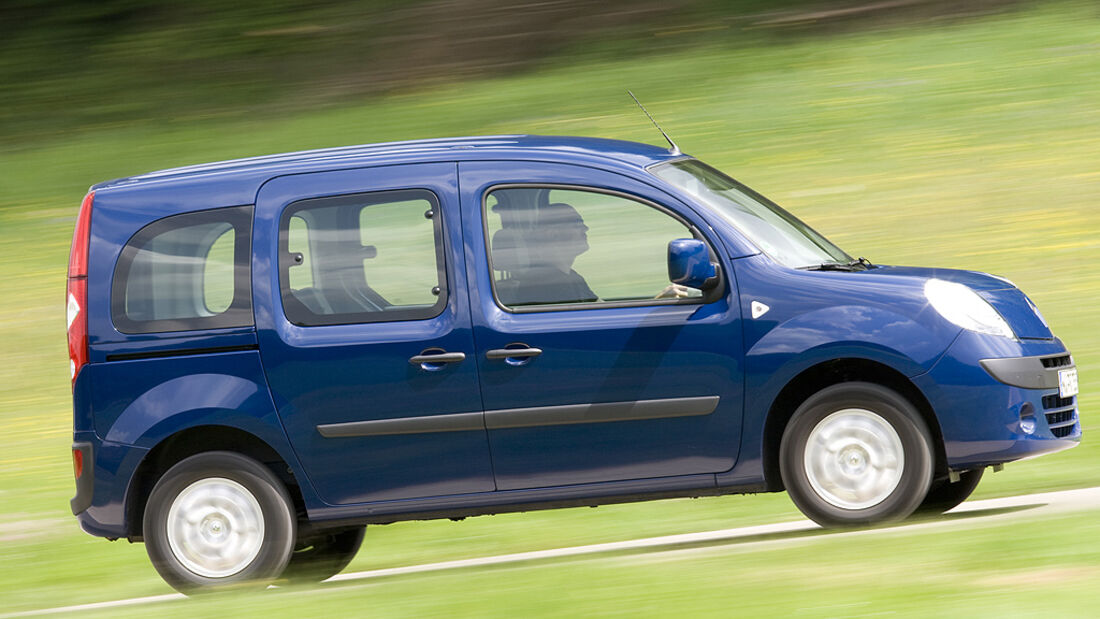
(962, 306)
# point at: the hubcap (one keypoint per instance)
(215, 527)
(854, 459)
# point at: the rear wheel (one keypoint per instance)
(856, 453)
(218, 520)
(945, 495)
(324, 555)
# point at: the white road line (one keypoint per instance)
(1045, 503)
(1067, 500)
(152, 599)
(634, 544)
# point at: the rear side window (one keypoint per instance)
(369, 257)
(185, 273)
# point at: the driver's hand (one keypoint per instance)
(674, 291)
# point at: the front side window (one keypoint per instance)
(568, 246)
(184, 273)
(362, 258)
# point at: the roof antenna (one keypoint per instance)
(673, 148)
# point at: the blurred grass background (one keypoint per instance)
(912, 132)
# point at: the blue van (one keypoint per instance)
(269, 354)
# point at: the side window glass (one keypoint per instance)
(402, 268)
(218, 285)
(362, 258)
(569, 246)
(301, 274)
(185, 272)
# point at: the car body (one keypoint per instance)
(223, 309)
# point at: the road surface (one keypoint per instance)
(783, 533)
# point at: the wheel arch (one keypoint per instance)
(828, 373)
(196, 440)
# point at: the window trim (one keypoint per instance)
(365, 199)
(707, 297)
(239, 312)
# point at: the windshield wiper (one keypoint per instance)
(859, 264)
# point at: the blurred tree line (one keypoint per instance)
(67, 65)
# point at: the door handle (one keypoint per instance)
(518, 354)
(508, 353)
(436, 359)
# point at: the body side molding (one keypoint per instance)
(457, 422)
(527, 417)
(600, 412)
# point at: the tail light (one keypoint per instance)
(77, 289)
(84, 471)
(78, 462)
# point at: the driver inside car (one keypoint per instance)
(554, 243)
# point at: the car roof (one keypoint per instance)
(618, 153)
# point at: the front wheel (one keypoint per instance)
(218, 520)
(856, 453)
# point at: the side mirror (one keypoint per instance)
(689, 264)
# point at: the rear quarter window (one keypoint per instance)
(184, 273)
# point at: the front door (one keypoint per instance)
(364, 332)
(593, 368)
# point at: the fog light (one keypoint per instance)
(1027, 418)
(1027, 425)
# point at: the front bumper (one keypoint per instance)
(1040, 372)
(988, 421)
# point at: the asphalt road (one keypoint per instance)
(784, 533)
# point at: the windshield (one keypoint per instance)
(775, 231)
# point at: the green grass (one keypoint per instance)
(970, 145)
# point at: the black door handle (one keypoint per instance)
(434, 359)
(512, 353)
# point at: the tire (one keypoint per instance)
(323, 556)
(944, 495)
(855, 454)
(219, 520)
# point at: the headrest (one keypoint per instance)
(510, 252)
(560, 214)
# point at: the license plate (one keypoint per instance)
(1067, 383)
